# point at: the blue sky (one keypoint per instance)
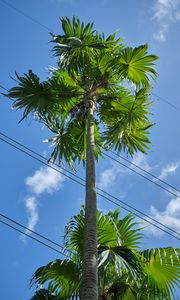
(44, 200)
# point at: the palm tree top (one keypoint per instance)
(92, 71)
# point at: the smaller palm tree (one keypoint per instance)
(124, 271)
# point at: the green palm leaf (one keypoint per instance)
(77, 44)
(44, 294)
(63, 278)
(55, 96)
(136, 65)
(125, 118)
(162, 267)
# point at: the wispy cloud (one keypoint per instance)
(44, 180)
(165, 13)
(32, 212)
(170, 217)
(168, 170)
(140, 160)
(107, 177)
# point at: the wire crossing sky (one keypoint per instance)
(25, 45)
(64, 174)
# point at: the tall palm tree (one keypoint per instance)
(125, 272)
(88, 103)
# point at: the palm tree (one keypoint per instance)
(89, 104)
(124, 271)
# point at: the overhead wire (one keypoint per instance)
(125, 159)
(80, 178)
(44, 26)
(26, 15)
(144, 170)
(166, 101)
(33, 238)
(30, 230)
(107, 198)
(154, 182)
(119, 156)
(39, 155)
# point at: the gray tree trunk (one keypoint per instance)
(89, 284)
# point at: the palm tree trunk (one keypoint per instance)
(89, 284)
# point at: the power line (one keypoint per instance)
(33, 238)
(42, 25)
(145, 171)
(46, 164)
(26, 15)
(120, 201)
(142, 217)
(142, 169)
(41, 156)
(125, 159)
(97, 187)
(71, 173)
(160, 186)
(166, 101)
(30, 230)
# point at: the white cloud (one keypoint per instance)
(32, 212)
(168, 170)
(44, 180)
(165, 13)
(160, 36)
(170, 217)
(107, 177)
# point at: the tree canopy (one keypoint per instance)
(116, 79)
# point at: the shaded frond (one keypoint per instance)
(44, 294)
(62, 276)
(70, 141)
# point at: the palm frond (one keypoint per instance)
(30, 94)
(126, 121)
(77, 44)
(136, 65)
(70, 141)
(56, 95)
(44, 294)
(62, 276)
(162, 266)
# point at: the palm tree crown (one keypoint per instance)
(92, 71)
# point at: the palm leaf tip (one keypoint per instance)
(30, 94)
